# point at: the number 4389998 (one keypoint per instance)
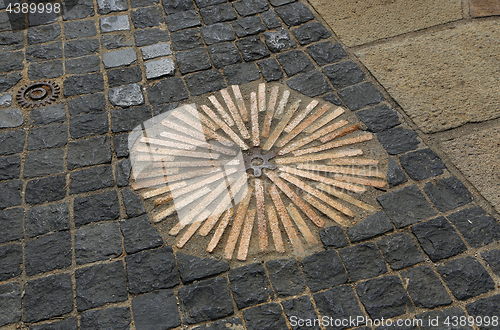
(39, 8)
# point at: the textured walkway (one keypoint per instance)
(78, 249)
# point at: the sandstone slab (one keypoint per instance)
(480, 8)
(444, 79)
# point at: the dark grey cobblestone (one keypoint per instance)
(363, 261)
(122, 172)
(47, 70)
(265, 317)
(44, 52)
(77, 9)
(91, 179)
(11, 193)
(324, 270)
(294, 14)
(96, 208)
(10, 300)
(447, 194)
(139, 234)
(378, 118)
(270, 19)
(422, 164)
(79, 29)
(466, 278)
(398, 140)
(148, 37)
(117, 318)
(344, 74)
(425, 288)
(219, 13)
(120, 57)
(114, 23)
(10, 167)
(86, 104)
(124, 120)
(441, 316)
(374, 225)
(285, 276)
(250, 7)
(143, 3)
(188, 39)
(311, 32)
(88, 124)
(333, 236)
(11, 118)
(151, 270)
(83, 84)
(395, 175)
(11, 259)
(133, 204)
(43, 162)
(249, 285)
(44, 33)
(9, 80)
(82, 65)
(193, 268)
(47, 115)
(493, 259)
(252, 49)
(48, 189)
(223, 324)
(360, 96)
(312, 84)
(146, 17)
(241, 73)
(167, 90)
(11, 40)
(48, 252)
(51, 136)
(294, 62)
(43, 219)
(108, 6)
(12, 142)
(400, 250)
(47, 297)
(81, 47)
(68, 324)
(93, 151)
(120, 145)
(476, 226)
(338, 303)
(216, 33)
(224, 54)
(278, 41)
(115, 41)
(204, 82)
(100, 284)
(182, 20)
(11, 224)
(206, 3)
(300, 308)
(248, 26)
(100, 242)
(485, 307)
(156, 310)
(270, 69)
(12, 61)
(176, 6)
(193, 60)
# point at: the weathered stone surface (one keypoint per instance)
(10, 167)
(278, 41)
(481, 8)
(96, 208)
(476, 156)
(100, 284)
(300, 308)
(324, 270)
(422, 164)
(249, 285)
(462, 92)
(11, 118)
(13, 61)
(126, 96)
(357, 24)
(204, 82)
(133, 204)
(400, 250)
(93, 151)
(43, 219)
(250, 7)
(338, 303)
(312, 84)
(406, 206)
(53, 69)
(150, 36)
(270, 19)
(476, 226)
(156, 310)
(218, 32)
(81, 65)
(10, 303)
(114, 41)
(218, 13)
(182, 20)
(332, 98)
(120, 145)
(47, 297)
(384, 297)
(398, 140)
(6, 100)
(311, 32)
(147, 17)
(139, 234)
(11, 142)
(167, 90)
(68, 324)
(241, 73)
(395, 175)
(438, 239)
(441, 316)
(270, 69)
(265, 317)
(378, 118)
(175, 6)
(90, 179)
(447, 194)
(49, 189)
(344, 74)
(81, 47)
(125, 56)
(294, 62)
(156, 50)
(41, 52)
(193, 60)
(44, 33)
(359, 96)
(333, 236)
(83, 84)
(231, 322)
(188, 39)
(193, 268)
(363, 261)
(374, 225)
(11, 195)
(122, 172)
(286, 277)
(248, 26)
(94, 243)
(43, 162)
(206, 300)
(87, 124)
(493, 259)
(252, 49)
(485, 307)
(79, 29)
(118, 318)
(224, 54)
(107, 6)
(466, 278)
(77, 9)
(159, 68)
(11, 259)
(206, 3)
(294, 14)
(50, 136)
(11, 224)
(425, 288)
(49, 252)
(114, 23)
(151, 270)
(9, 80)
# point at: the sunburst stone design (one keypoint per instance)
(265, 167)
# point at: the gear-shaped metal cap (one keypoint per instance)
(38, 93)
(256, 153)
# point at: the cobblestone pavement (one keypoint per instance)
(77, 249)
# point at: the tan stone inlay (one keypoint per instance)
(325, 120)
(246, 235)
(301, 224)
(345, 197)
(229, 121)
(326, 210)
(281, 125)
(270, 111)
(254, 115)
(281, 106)
(275, 229)
(240, 102)
(234, 112)
(301, 116)
(262, 97)
(481, 8)
(261, 214)
(220, 230)
(237, 224)
(225, 127)
(334, 144)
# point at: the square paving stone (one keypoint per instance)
(438, 239)
(311, 32)
(79, 29)
(182, 20)
(49, 189)
(68, 324)
(324, 270)
(44, 33)
(193, 60)
(277, 3)
(87, 104)
(12, 142)
(384, 297)
(43, 162)
(99, 285)
(47, 297)
(13, 61)
(422, 164)
(218, 32)
(312, 84)
(248, 26)
(96, 208)
(231, 322)
(11, 259)
(286, 277)
(485, 307)
(493, 259)
(360, 96)
(139, 234)
(447, 194)
(187, 39)
(83, 84)
(252, 49)
(206, 3)
(332, 98)
(150, 37)
(156, 310)
(126, 96)
(343, 74)
(156, 50)
(124, 120)
(241, 73)
(81, 47)
(204, 82)
(9, 80)
(442, 319)
(114, 23)
(124, 76)
(406, 206)
(250, 7)
(300, 309)
(400, 250)
(143, 3)
(175, 6)
(124, 56)
(224, 54)
(249, 285)
(151, 270)
(425, 288)
(376, 224)
(100, 242)
(147, 17)
(50, 69)
(398, 140)
(48, 252)
(278, 41)
(270, 69)
(206, 300)
(294, 14)
(88, 124)
(117, 318)
(270, 19)
(91, 179)
(11, 193)
(294, 62)
(363, 261)
(378, 118)
(10, 167)
(466, 278)
(51, 136)
(45, 52)
(93, 151)
(11, 118)
(77, 9)
(167, 90)
(193, 268)
(108, 6)
(120, 145)
(115, 41)
(11, 224)
(219, 13)
(265, 317)
(338, 304)
(333, 236)
(133, 204)
(476, 226)
(10, 303)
